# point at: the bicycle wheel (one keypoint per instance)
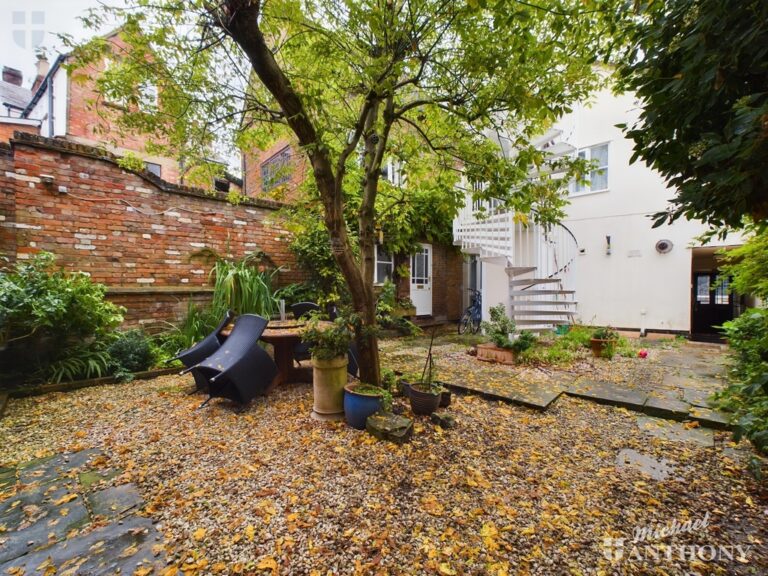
(475, 324)
(465, 323)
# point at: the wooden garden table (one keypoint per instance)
(284, 335)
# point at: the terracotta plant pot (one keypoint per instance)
(492, 353)
(328, 380)
(424, 403)
(603, 348)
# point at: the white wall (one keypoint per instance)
(41, 110)
(495, 287)
(634, 287)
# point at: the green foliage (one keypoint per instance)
(524, 341)
(328, 341)
(242, 287)
(699, 68)
(37, 299)
(747, 394)
(130, 352)
(605, 333)
(499, 327)
(372, 390)
(388, 312)
(53, 323)
(79, 363)
(747, 266)
(297, 292)
(311, 245)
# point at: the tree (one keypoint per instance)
(748, 266)
(700, 69)
(433, 82)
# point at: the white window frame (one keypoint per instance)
(282, 160)
(393, 171)
(577, 189)
(376, 261)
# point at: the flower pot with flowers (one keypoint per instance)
(603, 342)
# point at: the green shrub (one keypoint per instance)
(605, 333)
(524, 341)
(242, 287)
(387, 315)
(747, 394)
(130, 352)
(53, 323)
(328, 342)
(38, 299)
(499, 327)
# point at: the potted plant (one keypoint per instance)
(498, 329)
(329, 343)
(362, 400)
(426, 393)
(603, 342)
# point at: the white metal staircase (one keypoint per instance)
(539, 262)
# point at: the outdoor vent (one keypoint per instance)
(664, 246)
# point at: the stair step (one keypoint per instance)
(520, 270)
(541, 321)
(540, 292)
(541, 312)
(534, 281)
(542, 302)
(500, 260)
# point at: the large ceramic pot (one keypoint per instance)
(328, 380)
(358, 406)
(423, 400)
(602, 348)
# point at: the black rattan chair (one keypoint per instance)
(240, 369)
(203, 349)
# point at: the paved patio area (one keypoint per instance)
(675, 381)
(68, 514)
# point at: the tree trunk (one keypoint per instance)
(240, 19)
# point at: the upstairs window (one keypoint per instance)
(598, 176)
(155, 169)
(385, 266)
(392, 171)
(276, 170)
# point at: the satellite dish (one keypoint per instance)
(664, 246)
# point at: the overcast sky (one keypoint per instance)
(26, 25)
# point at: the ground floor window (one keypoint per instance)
(385, 266)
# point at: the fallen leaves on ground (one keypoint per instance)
(510, 490)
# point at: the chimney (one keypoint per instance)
(12, 76)
(42, 70)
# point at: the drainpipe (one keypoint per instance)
(50, 106)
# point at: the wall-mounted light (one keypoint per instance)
(46, 179)
(607, 245)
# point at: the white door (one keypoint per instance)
(421, 280)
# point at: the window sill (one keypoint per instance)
(590, 193)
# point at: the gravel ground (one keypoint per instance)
(509, 491)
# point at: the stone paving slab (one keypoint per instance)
(711, 418)
(113, 549)
(697, 397)
(667, 408)
(675, 431)
(609, 393)
(628, 459)
(49, 469)
(537, 396)
(113, 502)
(52, 524)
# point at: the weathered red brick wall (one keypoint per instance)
(252, 181)
(7, 129)
(7, 216)
(91, 120)
(135, 233)
(447, 281)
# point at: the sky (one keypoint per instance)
(26, 25)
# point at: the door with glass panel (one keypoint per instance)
(713, 303)
(421, 280)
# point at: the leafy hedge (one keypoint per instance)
(747, 395)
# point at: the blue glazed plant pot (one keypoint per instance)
(357, 407)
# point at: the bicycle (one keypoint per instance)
(470, 320)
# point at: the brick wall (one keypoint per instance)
(447, 281)
(8, 128)
(252, 180)
(91, 120)
(133, 232)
